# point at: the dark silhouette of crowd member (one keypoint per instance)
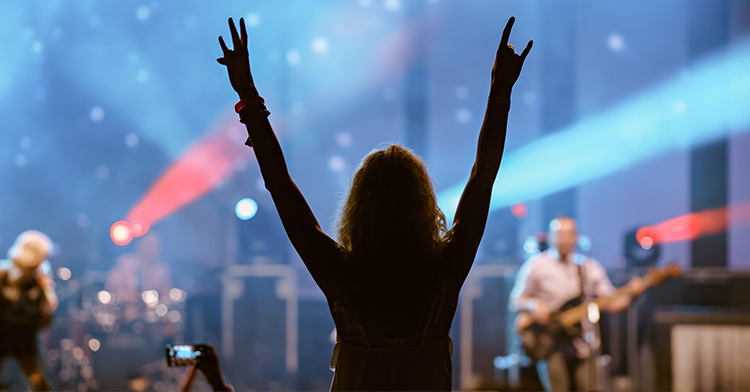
(393, 278)
(27, 303)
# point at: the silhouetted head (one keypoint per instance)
(391, 206)
(563, 234)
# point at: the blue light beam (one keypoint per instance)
(707, 101)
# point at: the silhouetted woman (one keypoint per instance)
(393, 278)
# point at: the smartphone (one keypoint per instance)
(184, 354)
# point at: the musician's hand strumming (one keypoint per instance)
(540, 312)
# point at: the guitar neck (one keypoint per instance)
(576, 314)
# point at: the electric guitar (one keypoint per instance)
(539, 341)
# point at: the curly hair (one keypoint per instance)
(390, 204)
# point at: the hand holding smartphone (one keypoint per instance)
(200, 356)
(184, 354)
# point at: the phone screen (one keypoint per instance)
(183, 355)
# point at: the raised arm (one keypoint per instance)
(473, 207)
(318, 251)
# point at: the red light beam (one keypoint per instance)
(199, 170)
(696, 224)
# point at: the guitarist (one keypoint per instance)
(27, 304)
(552, 279)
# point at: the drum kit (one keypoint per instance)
(127, 327)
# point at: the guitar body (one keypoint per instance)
(540, 341)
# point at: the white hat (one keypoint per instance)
(30, 249)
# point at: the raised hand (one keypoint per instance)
(209, 365)
(508, 63)
(237, 61)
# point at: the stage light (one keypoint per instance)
(37, 47)
(139, 229)
(199, 170)
(392, 5)
(646, 242)
(519, 210)
(94, 345)
(66, 344)
(96, 114)
(83, 221)
(176, 294)
(131, 140)
(337, 164)
(20, 160)
(252, 19)
(121, 233)
(150, 297)
(161, 310)
(64, 273)
(174, 316)
(293, 57)
(104, 297)
(530, 246)
(143, 13)
(319, 45)
(463, 115)
(584, 244)
(704, 103)
(344, 139)
(246, 208)
(615, 42)
(695, 225)
(641, 248)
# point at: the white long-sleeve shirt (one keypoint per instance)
(553, 281)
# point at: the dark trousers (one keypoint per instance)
(560, 373)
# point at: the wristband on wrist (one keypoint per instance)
(244, 102)
(250, 112)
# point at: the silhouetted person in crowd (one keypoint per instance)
(27, 304)
(393, 278)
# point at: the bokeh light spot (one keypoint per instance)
(121, 233)
(246, 208)
(64, 273)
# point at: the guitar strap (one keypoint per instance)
(581, 280)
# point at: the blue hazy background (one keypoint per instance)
(97, 98)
